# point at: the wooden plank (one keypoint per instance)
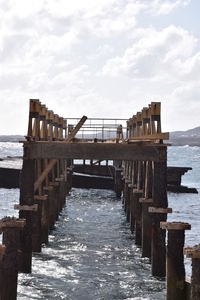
(100, 151)
(42, 177)
(160, 210)
(145, 200)
(33, 207)
(76, 129)
(175, 225)
(20, 223)
(41, 197)
(155, 136)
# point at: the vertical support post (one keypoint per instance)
(146, 218)
(137, 194)
(9, 260)
(159, 196)
(176, 287)
(194, 253)
(26, 198)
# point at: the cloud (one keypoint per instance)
(165, 7)
(86, 56)
(155, 54)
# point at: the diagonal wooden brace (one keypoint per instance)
(52, 163)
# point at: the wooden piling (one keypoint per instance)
(194, 253)
(146, 227)
(26, 198)
(159, 197)
(11, 228)
(44, 216)
(137, 194)
(176, 287)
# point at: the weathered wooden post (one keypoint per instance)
(9, 260)
(146, 218)
(132, 196)
(27, 199)
(176, 287)
(137, 194)
(194, 253)
(159, 213)
(44, 216)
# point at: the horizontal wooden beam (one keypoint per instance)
(175, 225)
(146, 200)
(160, 210)
(33, 207)
(192, 252)
(100, 151)
(12, 223)
(41, 197)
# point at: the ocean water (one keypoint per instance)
(91, 254)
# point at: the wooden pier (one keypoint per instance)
(136, 160)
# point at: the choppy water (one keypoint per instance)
(91, 254)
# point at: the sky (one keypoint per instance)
(100, 58)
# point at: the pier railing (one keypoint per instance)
(139, 168)
(101, 129)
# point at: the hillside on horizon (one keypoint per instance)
(189, 137)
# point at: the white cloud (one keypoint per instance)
(54, 49)
(165, 7)
(156, 54)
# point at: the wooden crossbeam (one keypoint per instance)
(160, 210)
(97, 151)
(33, 207)
(41, 197)
(175, 225)
(12, 223)
(146, 200)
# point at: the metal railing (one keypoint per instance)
(98, 128)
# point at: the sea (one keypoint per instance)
(91, 253)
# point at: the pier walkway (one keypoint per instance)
(134, 153)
